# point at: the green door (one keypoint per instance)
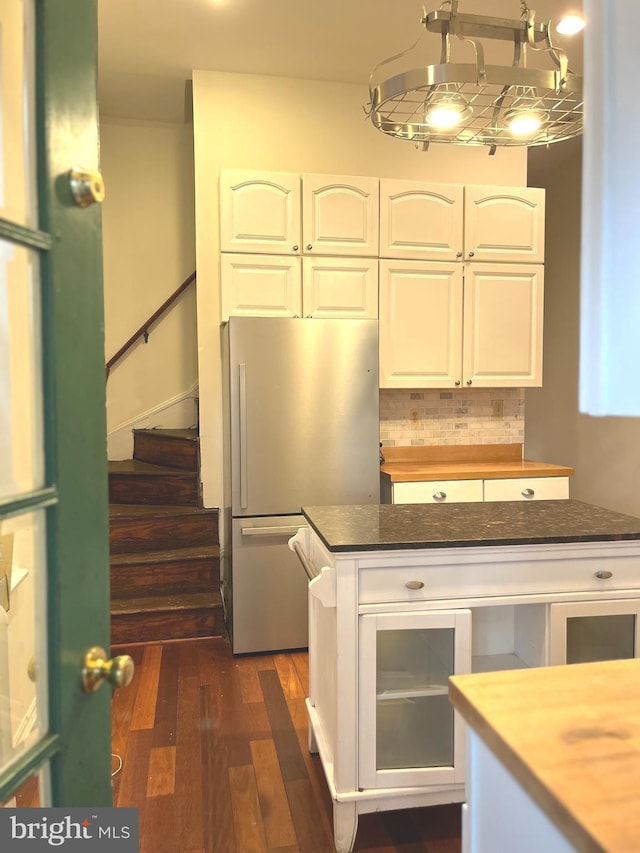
(54, 583)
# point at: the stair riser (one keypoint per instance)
(163, 532)
(136, 580)
(162, 450)
(181, 625)
(156, 490)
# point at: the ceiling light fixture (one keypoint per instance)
(479, 103)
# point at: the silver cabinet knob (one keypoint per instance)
(440, 496)
(603, 575)
(414, 584)
(309, 247)
(468, 381)
(295, 248)
(457, 382)
(527, 493)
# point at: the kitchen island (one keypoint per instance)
(404, 596)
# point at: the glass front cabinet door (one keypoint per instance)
(409, 732)
(582, 632)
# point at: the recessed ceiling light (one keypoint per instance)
(570, 25)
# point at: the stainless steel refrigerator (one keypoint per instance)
(302, 428)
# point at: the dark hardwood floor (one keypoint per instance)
(214, 755)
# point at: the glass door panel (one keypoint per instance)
(595, 638)
(21, 424)
(594, 631)
(409, 732)
(414, 726)
(23, 677)
(17, 154)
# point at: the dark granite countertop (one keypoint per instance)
(389, 526)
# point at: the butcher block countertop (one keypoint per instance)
(570, 735)
(463, 462)
(383, 527)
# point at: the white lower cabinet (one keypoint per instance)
(461, 491)
(409, 733)
(527, 489)
(387, 628)
(437, 491)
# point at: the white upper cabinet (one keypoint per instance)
(448, 222)
(421, 221)
(504, 224)
(340, 215)
(420, 324)
(503, 313)
(259, 212)
(260, 285)
(284, 213)
(281, 286)
(340, 287)
(460, 325)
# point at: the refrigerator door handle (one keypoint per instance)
(271, 531)
(243, 436)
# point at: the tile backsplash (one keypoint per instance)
(479, 416)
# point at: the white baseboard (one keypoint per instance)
(179, 412)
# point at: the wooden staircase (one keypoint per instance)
(165, 555)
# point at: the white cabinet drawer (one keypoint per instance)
(437, 491)
(527, 489)
(464, 580)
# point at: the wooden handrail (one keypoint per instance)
(143, 331)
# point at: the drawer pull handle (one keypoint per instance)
(414, 584)
(527, 493)
(603, 575)
(440, 496)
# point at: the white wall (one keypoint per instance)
(149, 250)
(604, 451)
(282, 124)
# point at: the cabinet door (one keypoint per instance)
(503, 310)
(419, 220)
(340, 215)
(527, 489)
(340, 287)
(260, 286)
(504, 224)
(259, 212)
(443, 491)
(420, 324)
(409, 733)
(586, 631)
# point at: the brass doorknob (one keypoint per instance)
(97, 668)
(87, 186)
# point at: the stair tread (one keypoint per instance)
(182, 601)
(197, 552)
(184, 434)
(137, 510)
(133, 466)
